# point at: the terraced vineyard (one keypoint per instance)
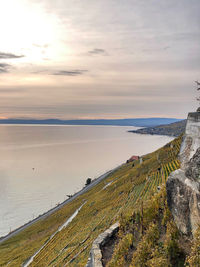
(119, 194)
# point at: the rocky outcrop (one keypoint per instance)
(183, 185)
(193, 167)
(191, 141)
(183, 198)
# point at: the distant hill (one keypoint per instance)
(172, 129)
(138, 122)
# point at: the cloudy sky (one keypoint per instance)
(98, 59)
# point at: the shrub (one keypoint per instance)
(146, 247)
(194, 259)
(88, 181)
(121, 251)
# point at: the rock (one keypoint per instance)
(95, 259)
(183, 185)
(191, 141)
(183, 197)
(193, 169)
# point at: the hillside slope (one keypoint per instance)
(172, 129)
(114, 198)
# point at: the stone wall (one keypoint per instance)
(191, 140)
(95, 259)
(183, 185)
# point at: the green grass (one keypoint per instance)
(71, 246)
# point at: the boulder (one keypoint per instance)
(183, 197)
(193, 169)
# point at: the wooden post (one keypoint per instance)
(142, 218)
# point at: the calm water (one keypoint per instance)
(40, 165)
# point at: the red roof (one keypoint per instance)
(133, 158)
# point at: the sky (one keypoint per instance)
(89, 59)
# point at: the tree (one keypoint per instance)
(88, 181)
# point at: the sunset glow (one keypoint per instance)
(63, 59)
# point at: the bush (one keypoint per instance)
(121, 251)
(146, 247)
(194, 259)
(88, 181)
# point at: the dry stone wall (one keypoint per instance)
(95, 259)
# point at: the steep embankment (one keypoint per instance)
(164, 231)
(172, 129)
(114, 198)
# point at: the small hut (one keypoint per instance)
(133, 158)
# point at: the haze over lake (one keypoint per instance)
(40, 165)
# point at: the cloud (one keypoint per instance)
(11, 90)
(40, 71)
(4, 67)
(155, 49)
(69, 72)
(41, 46)
(75, 72)
(97, 51)
(9, 55)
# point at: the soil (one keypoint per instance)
(108, 248)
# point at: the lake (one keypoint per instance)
(41, 165)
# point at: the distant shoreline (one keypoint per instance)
(173, 129)
(137, 122)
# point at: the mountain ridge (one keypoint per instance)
(138, 122)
